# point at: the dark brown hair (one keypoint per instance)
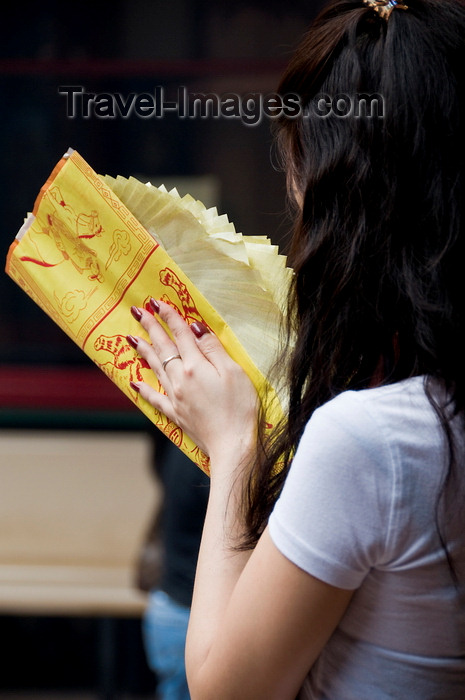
(378, 242)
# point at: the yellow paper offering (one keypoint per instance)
(93, 247)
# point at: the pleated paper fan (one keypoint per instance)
(244, 278)
(93, 247)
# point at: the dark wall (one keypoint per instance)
(129, 47)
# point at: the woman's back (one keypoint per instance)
(359, 511)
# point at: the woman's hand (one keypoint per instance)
(207, 394)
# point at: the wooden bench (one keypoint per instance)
(74, 508)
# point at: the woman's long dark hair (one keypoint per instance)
(378, 244)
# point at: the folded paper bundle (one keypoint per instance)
(95, 246)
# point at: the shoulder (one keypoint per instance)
(379, 417)
(352, 471)
(388, 431)
(387, 400)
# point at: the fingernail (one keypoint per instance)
(137, 313)
(134, 342)
(155, 305)
(198, 329)
(135, 386)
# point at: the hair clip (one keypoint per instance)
(385, 7)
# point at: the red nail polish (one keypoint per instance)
(137, 313)
(134, 342)
(198, 329)
(134, 386)
(155, 305)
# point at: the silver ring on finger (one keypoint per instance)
(168, 359)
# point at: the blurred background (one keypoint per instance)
(70, 444)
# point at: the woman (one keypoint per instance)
(343, 576)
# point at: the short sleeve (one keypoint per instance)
(334, 514)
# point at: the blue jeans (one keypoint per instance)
(164, 628)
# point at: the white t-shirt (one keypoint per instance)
(358, 512)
